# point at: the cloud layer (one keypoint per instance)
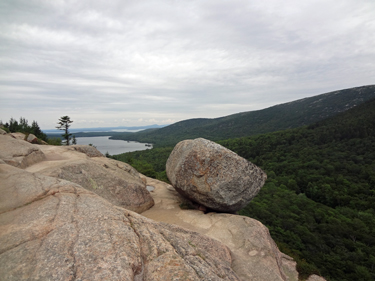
(108, 63)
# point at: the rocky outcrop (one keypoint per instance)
(213, 176)
(117, 182)
(90, 151)
(52, 229)
(255, 255)
(19, 136)
(2, 132)
(19, 153)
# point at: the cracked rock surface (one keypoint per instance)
(19, 153)
(117, 182)
(255, 255)
(52, 229)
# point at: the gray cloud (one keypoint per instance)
(140, 62)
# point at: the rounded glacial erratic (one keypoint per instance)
(213, 175)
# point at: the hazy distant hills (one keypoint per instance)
(279, 117)
(105, 129)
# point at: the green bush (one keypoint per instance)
(54, 141)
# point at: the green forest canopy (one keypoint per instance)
(318, 201)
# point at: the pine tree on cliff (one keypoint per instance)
(64, 124)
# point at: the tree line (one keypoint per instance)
(23, 126)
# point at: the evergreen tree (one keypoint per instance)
(35, 129)
(64, 124)
(13, 125)
(23, 125)
(74, 141)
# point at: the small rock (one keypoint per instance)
(89, 150)
(32, 138)
(315, 278)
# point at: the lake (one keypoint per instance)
(113, 147)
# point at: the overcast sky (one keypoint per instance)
(128, 63)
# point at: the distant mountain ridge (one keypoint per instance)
(106, 129)
(279, 117)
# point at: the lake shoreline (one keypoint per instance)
(113, 147)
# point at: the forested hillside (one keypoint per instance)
(279, 117)
(318, 201)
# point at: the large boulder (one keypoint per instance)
(52, 229)
(19, 153)
(213, 176)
